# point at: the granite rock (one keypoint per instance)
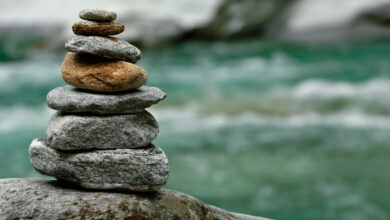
(104, 46)
(83, 132)
(97, 28)
(97, 15)
(237, 19)
(101, 74)
(50, 199)
(70, 99)
(143, 169)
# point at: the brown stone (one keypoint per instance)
(101, 74)
(97, 28)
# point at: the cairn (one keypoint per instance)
(100, 137)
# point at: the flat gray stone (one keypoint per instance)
(50, 199)
(104, 46)
(97, 15)
(143, 169)
(84, 132)
(70, 99)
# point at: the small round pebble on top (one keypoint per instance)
(97, 15)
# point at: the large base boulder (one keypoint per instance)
(49, 199)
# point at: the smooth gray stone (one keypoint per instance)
(50, 199)
(97, 15)
(104, 46)
(84, 132)
(142, 169)
(70, 99)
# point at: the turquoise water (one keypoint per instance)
(261, 127)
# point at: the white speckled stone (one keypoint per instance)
(143, 169)
(84, 132)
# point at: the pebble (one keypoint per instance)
(97, 15)
(97, 28)
(104, 46)
(70, 99)
(101, 74)
(144, 169)
(85, 132)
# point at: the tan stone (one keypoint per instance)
(101, 74)
(97, 28)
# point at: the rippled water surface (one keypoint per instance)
(265, 128)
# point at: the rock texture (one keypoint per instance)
(97, 15)
(97, 28)
(367, 21)
(243, 18)
(378, 15)
(70, 99)
(144, 169)
(83, 132)
(101, 74)
(49, 199)
(104, 46)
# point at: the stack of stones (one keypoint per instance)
(100, 137)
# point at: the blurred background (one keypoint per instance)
(275, 108)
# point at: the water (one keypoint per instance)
(261, 127)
